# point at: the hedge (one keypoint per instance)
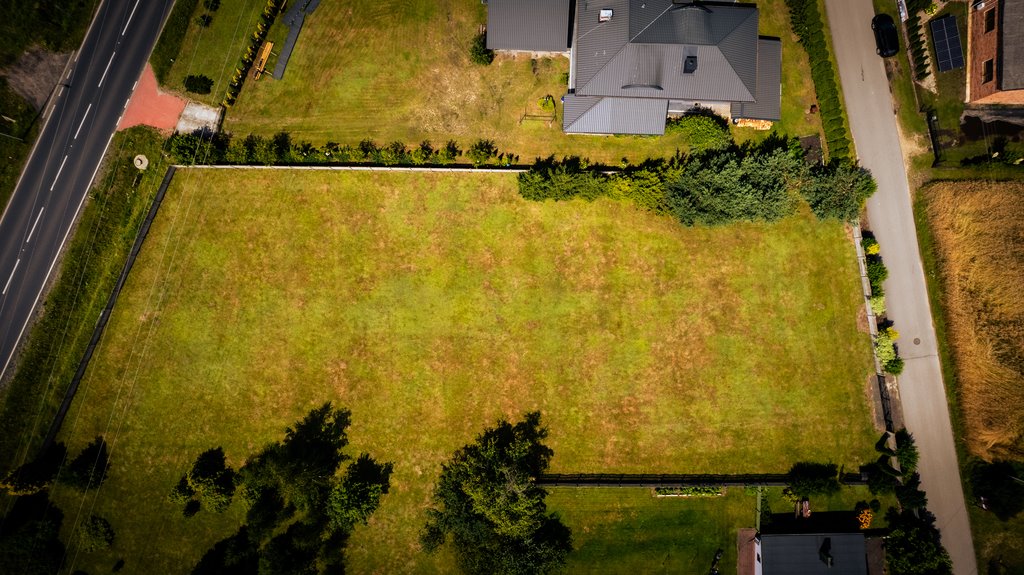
(808, 24)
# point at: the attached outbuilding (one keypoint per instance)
(530, 25)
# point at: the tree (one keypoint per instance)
(94, 534)
(913, 546)
(300, 511)
(30, 542)
(806, 479)
(478, 51)
(838, 190)
(1000, 485)
(210, 481)
(89, 469)
(36, 475)
(488, 504)
(357, 496)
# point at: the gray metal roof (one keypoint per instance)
(768, 97)
(640, 51)
(596, 115)
(801, 554)
(531, 25)
(1012, 58)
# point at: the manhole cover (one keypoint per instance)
(917, 341)
(141, 162)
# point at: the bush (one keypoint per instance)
(198, 84)
(877, 274)
(481, 152)
(839, 190)
(690, 491)
(885, 345)
(703, 131)
(94, 534)
(547, 103)
(894, 366)
(565, 180)
(906, 452)
(478, 51)
(877, 303)
(211, 5)
(204, 21)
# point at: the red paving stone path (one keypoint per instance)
(151, 107)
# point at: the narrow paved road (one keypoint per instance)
(93, 93)
(925, 410)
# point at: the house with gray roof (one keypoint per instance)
(635, 62)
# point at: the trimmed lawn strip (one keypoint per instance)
(431, 305)
(630, 531)
(88, 272)
(994, 541)
(355, 75)
(168, 46)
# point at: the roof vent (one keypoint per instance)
(605, 15)
(690, 65)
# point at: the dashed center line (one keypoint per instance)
(34, 224)
(105, 70)
(59, 170)
(130, 17)
(8, 284)
(86, 115)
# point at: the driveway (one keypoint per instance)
(925, 409)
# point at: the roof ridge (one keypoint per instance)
(753, 14)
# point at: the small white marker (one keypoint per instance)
(130, 17)
(59, 170)
(105, 70)
(34, 224)
(84, 116)
(8, 284)
(135, 85)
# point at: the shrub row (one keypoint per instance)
(885, 341)
(270, 12)
(205, 148)
(690, 491)
(808, 24)
(915, 34)
(753, 182)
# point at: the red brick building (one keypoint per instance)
(995, 46)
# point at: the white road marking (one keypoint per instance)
(105, 70)
(34, 224)
(130, 17)
(59, 170)
(126, 100)
(86, 115)
(8, 284)
(135, 85)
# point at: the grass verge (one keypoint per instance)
(90, 267)
(16, 139)
(432, 304)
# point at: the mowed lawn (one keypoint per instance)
(215, 51)
(399, 70)
(433, 304)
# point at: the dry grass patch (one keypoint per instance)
(978, 228)
(431, 305)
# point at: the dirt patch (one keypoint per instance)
(35, 74)
(198, 116)
(151, 107)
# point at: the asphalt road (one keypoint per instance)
(925, 410)
(85, 111)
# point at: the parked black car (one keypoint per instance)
(887, 39)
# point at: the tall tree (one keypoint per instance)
(487, 503)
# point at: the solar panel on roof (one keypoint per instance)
(946, 39)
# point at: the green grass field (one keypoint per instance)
(392, 70)
(631, 531)
(212, 51)
(431, 305)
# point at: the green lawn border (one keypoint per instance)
(168, 46)
(89, 269)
